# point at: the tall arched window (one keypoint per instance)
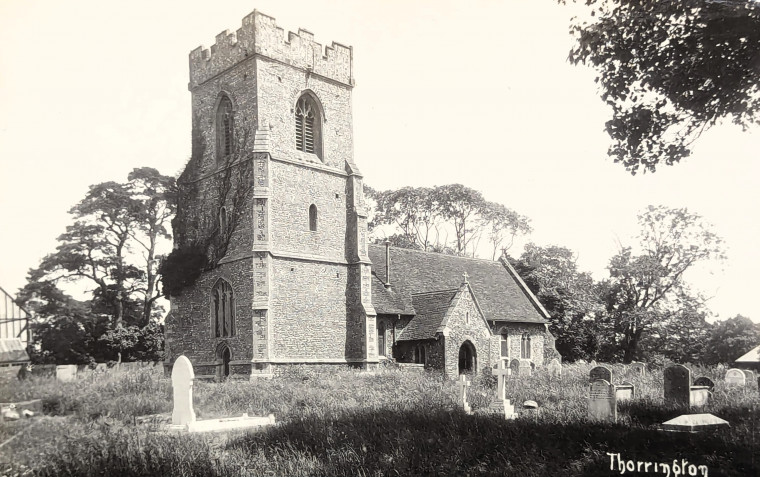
(525, 348)
(224, 128)
(308, 126)
(504, 345)
(223, 309)
(313, 218)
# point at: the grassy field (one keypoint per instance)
(341, 422)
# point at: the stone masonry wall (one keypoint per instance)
(189, 327)
(476, 331)
(514, 332)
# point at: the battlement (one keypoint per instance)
(260, 35)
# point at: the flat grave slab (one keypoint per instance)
(694, 423)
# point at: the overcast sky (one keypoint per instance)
(471, 92)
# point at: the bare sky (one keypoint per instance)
(471, 92)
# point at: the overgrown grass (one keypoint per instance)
(341, 422)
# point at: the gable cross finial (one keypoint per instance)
(465, 277)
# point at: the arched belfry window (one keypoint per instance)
(313, 218)
(525, 348)
(224, 128)
(223, 309)
(308, 125)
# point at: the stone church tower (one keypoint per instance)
(273, 198)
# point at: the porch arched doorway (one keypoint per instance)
(467, 358)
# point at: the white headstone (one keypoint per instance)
(501, 372)
(182, 383)
(638, 367)
(735, 377)
(66, 372)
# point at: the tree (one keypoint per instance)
(730, 339)
(670, 71)
(570, 297)
(461, 206)
(647, 289)
(503, 224)
(413, 210)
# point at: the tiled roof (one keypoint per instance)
(752, 357)
(12, 351)
(500, 294)
(431, 308)
(390, 300)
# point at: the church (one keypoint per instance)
(274, 200)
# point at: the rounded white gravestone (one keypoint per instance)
(182, 383)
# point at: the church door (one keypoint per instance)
(467, 358)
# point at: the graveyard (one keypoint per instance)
(327, 421)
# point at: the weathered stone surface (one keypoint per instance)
(638, 367)
(602, 403)
(600, 372)
(735, 377)
(182, 385)
(625, 391)
(554, 368)
(694, 423)
(677, 384)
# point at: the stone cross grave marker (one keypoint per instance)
(705, 381)
(602, 403)
(638, 367)
(677, 385)
(514, 366)
(735, 377)
(554, 368)
(600, 372)
(182, 384)
(464, 383)
(525, 368)
(501, 373)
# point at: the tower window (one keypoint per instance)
(224, 128)
(313, 218)
(308, 126)
(223, 309)
(525, 348)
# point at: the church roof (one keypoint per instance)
(752, 357)
(390, 300)
(501, 294)
(431, 308)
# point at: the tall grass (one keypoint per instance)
(342, 422)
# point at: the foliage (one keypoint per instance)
(112, 222)
(670, 71)
(730, 339)
(424, 218)
(203, 233)
(341, 422)
(570, 297)
(646, 292)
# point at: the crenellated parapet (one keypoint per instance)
(260, 35)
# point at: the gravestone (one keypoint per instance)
(749, 376)
(593, 362)
(705, 381)
(526, 368)
(602, 404)
(600, 372)
(514, 366)
(677, 385)
(735, 377)
(464, 383)
(554, 368)
(66, 372)
(638, 368)
(625, 391)
(694, 423)
(499, 405)
(182, 384)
